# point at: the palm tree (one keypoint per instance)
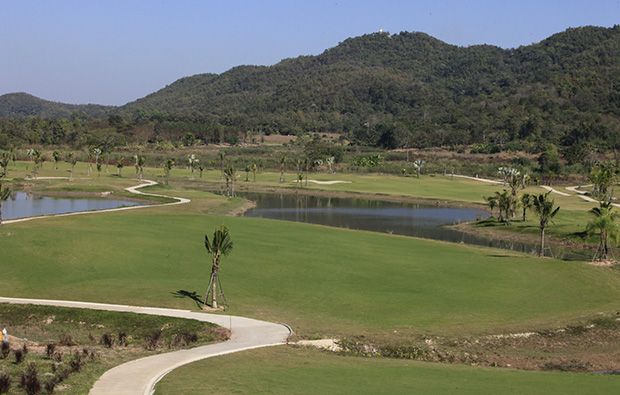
(4, 195)
(119, 165)
(527, 201)
(73, 161)
(38, 158)
(418, 164)
(254, 170)
(231, 174)
(56, 157)
(222, 158)
(140, 161)
(330, 163)
(282, 165)
(193, 163)
(543, 207)
(605, 223)
(220, 245)
(168, 166)
(248, 169)
(4, 162)
(492, 203)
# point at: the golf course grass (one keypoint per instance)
(324, 282)
(286, 370)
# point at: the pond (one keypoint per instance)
(408, 219)
(22, 205)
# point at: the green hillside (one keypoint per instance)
(23, 104)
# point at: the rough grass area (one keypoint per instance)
(286, 370)
(68, 349)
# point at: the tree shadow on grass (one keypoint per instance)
(186, 294)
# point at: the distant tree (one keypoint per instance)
(120, 163)
(201, 168)
(5, 158)
(605, 223)
(527, 201)
(192, 162)
(38, 158)
(282, 161)
(98, 170)
(231, 173)
(4, 195)
(545, 210)
(248, 169)
(220, 245)
(222, 156)
(330, 164)
(254, 169)
(318, 163)
(418, 164)
(73, 161)
(167, 167)
(56, 157)
(140, 161)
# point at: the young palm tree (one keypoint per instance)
(527, 201)
(73, 161)
(231, 174)
(254, 170)
(605, 223)
(282, 165)
(418, 164)
(330, 164)
(193, 163)
(119, 165)
(168, 166)
(220, 245)
(4, 162)
(248, 169)
(222, 158)
(543, 207)
(56, 157)
(4, 195)
(38, 158)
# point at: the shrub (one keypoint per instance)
(5, 350)
(107, 340)
(49, 350)
(66, 340)
(5, 382)
(30, 380)
(151, 342)
(122, 338)
(19, 356)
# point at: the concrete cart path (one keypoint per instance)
(141, 376)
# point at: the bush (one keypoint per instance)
(49, 350)
(107, 340)
(19, 356)
(5, 350)
(151, 342)
(30, 380)
(5, 382)
(66, 340)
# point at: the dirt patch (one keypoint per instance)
(603, 262)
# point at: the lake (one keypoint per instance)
(408, 219)
(22, 205)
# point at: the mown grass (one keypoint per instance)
(318, 279)
(303, 371)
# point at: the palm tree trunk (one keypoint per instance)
(542, 242)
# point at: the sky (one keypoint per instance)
(114, 52)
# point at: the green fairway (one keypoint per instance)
(284, 370)
(319, 280)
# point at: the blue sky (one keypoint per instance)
(114, 52)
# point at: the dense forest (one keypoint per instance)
(380, 90)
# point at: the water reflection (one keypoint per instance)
(409, 219)
(23, 204)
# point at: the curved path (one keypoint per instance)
(140, 376)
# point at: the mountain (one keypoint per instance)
(23, 104)
(396, 89)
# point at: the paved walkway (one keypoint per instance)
(141, 375)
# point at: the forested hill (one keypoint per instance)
(408, 88)
(23, 104)
(449, 94)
